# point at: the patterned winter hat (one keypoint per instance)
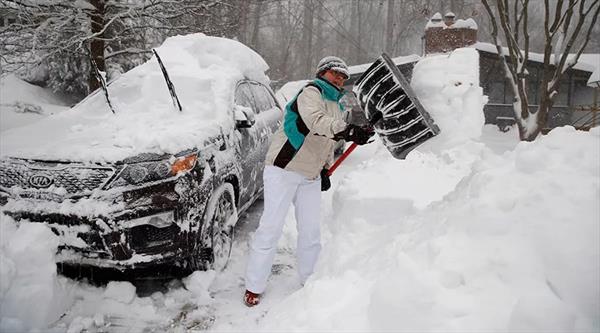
(333, 63)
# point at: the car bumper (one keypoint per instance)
(109, 232)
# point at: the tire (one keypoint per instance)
(217, 230)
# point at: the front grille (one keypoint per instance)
(51, 218)
(75, 179)
(145, 238)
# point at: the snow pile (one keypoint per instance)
(448, 87)
(33, 297)
(99, 309)
(22, 103)
(459, 237)
(204, 71)
(29, 291)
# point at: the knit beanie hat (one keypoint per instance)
(333, 63)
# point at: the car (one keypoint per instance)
(153, 168)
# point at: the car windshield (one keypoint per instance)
(203, 69)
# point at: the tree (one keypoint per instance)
(307, 36)
(567, 28)
(389, 31)
(64, 35)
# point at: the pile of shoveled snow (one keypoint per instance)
(460, 237)
(22, 103)
(34, 298)
(204, 71)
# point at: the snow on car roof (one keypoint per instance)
(204, 71)
(289, 90)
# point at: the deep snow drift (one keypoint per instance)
(22, 103)
(472, 232)
(33, 297)
(458, 237)
(204, 71)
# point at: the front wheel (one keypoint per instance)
(216, 235)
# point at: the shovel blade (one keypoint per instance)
(405, 124)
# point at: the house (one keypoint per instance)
(578, 100)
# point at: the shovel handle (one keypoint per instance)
(377, 116)
(341, 158)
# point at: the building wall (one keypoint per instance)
(573, 91)
(441, 39)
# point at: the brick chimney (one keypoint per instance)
(449, 34)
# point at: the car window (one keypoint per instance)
(263, 98)
(243, 96)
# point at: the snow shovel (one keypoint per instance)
(405, 124)
(377, 116)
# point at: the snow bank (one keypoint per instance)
(460, 236)
(22, 103)
(204, 71)
(448, 87)
(514, 247)
(33, 297)
(29, 292)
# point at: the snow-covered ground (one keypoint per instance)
(474, 231)
(22, 103)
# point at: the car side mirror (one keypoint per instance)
(243, 116)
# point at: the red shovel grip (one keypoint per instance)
(341, 158)
(376, 117)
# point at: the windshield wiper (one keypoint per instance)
(169, 83)
(100, 79)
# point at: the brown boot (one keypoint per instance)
(251, 299)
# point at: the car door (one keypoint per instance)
(268, 119)
(249, 145)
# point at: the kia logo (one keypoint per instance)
(40, 181)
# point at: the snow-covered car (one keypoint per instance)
(128, 178)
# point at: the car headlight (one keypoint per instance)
(144, 172)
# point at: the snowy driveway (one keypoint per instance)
(199, 302)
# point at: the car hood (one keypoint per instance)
(204, 71)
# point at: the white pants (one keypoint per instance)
(281, 188)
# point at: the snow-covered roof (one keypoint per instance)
(589, 62)
(357, 69)
(204, 71)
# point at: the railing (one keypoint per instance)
(585, 117)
